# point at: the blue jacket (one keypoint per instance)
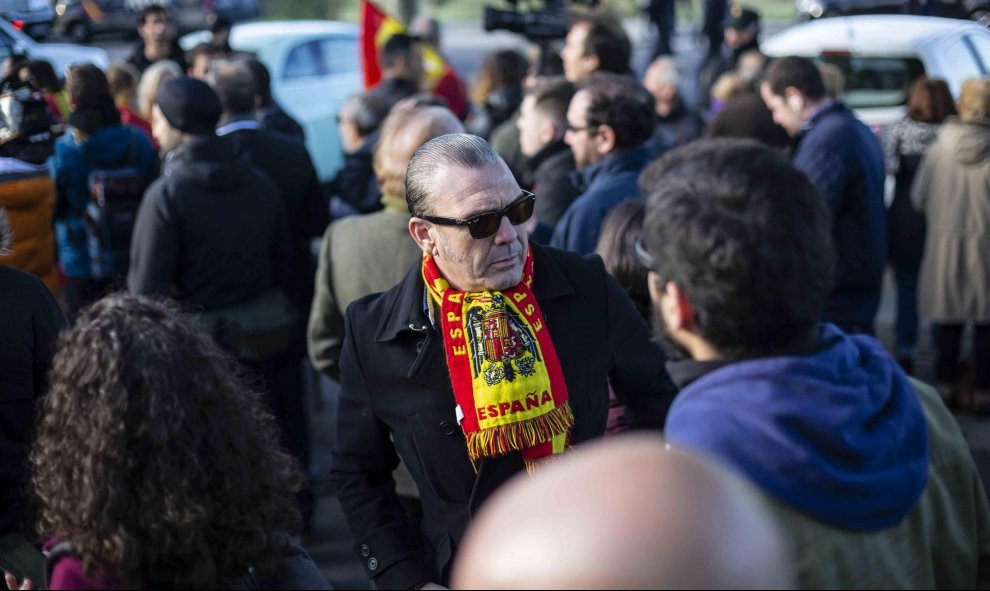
(604, 185)
(70, 168)
(845, 162)
(839, 435)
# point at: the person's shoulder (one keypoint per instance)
(24, 287)
(946, 443)
(578, 267)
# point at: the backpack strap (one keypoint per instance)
(58, 552)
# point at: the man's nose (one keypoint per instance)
(507, 233)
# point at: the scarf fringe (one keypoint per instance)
(511, 437)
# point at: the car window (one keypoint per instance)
(981, 46)
(305, 61)
(876, 81)
(341, 55)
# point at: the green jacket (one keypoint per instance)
(944, 543)
(361, 255)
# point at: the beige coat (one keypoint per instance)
(952, 190)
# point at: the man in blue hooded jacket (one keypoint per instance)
(867, 470)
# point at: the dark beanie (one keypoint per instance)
(190, 105)
(740, 17)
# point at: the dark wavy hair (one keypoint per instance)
(154, 458)
(748, 240)
(623, 104)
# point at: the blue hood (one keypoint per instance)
(110, 145)
(839, 435)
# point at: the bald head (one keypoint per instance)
(625, 514)
(403, 131)
(662, 78)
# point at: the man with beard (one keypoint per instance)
(491, 357)
(867, 470)
(609, 122)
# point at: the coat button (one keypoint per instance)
(365, 550)
(446, 428)
(372, 563)
(419, 346)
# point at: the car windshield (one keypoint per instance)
(876, 81)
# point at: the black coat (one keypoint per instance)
(211, 231)
(287, 163)
(137, 59)
(396, 397)
(555, 189)
(29, 322)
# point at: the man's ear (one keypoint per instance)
(674, 306)
(593, 62)
(605, 140)
(419, 229)
(550, 132)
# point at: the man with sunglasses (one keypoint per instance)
(491, 357)
(609, 121)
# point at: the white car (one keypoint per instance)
(59, 55)
(314, 66)
(881, 55)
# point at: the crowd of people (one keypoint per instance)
(509, 280)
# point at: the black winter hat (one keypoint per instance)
(190, 105)
(740, 17)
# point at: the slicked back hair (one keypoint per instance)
(456, 149)
(747, 239)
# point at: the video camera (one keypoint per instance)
(536, 25)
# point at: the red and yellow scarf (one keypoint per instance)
(504, 369)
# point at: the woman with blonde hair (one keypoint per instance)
(952, 190)
(154, 78)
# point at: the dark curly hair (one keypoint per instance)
(155, 458)
(623, 104)
(748, 240)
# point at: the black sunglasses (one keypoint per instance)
(484, 225)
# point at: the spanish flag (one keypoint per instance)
(376, 28)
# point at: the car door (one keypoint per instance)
(316, 76)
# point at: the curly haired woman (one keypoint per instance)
(154, 460)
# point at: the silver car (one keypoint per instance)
(314, 67)
(882, 55)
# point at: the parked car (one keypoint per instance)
(81, 19)
(34, 17)
(882, 55)
(964, 9)
(60, 55)
(314, 67)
